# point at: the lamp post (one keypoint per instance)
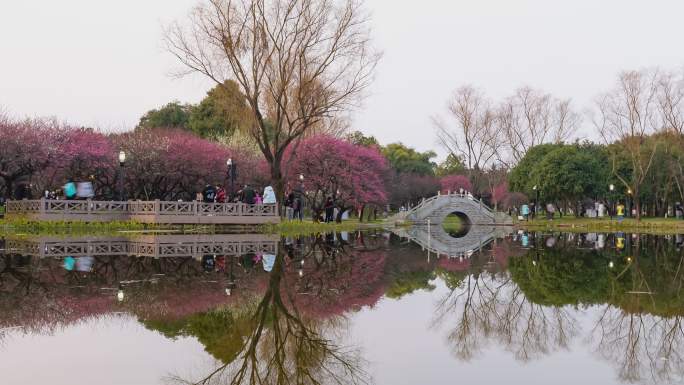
(301, 184)
(611, 188)
(232, 169)
(536, 200)
(629, 202)
(122, 162)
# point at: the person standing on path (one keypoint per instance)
(289, 202)
(620, 212)
(329, 210)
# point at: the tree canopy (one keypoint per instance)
(408, 160)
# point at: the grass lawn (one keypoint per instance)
(286, 228)
(654, 225)
(452, 224)
(292, 228)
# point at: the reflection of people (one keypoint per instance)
(220, 263)
(247, 260)
(620, 241)
(69, 263)
(85, 264)
(208, 263)
(268, 261)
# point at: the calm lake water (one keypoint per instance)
(367, 307)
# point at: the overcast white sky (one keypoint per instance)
(102, 63)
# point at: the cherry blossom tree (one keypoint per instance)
(174, 164)
(499, 194)
(27, 147)
(455, 183)
(354, 176)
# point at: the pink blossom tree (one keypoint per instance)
(173, 164)
(27, 148)
(354, 176)
(454, 183)
(499, 194)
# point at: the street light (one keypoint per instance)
(122, 162)
(610, 196)
(536, 200)
(629, 202)
(232, 167)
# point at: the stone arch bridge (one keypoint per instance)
(470, 210)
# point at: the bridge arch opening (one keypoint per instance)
(456, 224)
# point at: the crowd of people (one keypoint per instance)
(247, 195)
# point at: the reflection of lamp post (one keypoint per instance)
(122, 161)
(232, 170)
(231, 278)
(120, 294)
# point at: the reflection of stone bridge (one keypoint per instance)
(146, 246)
(437, 208)
(437, 241)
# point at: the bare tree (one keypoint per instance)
(671, 102)
(628, 115)
(531, 117)
(474, 137)
(299, 63)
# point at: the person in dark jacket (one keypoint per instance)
(329, 210)
(209, 194)
(248, 195)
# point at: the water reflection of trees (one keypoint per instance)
(39, 294)
(486, 309)
(635, 290)
(641, 328)
(290, 342)
(532, 308)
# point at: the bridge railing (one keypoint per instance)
(139, 208)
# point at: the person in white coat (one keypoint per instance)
(269, 196)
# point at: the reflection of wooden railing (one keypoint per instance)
(147, 211)
(154, 246)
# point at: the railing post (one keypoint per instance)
(157, 210)
(41, 209)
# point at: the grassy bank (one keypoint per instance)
(20, 226)
(71, 228)
(646, 225)
(293, 228)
